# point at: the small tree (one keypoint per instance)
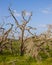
(4, 38)
(22, 27)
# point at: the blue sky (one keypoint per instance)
(41, 9)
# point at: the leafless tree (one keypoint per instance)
(22, 27)
(49, 30)
(4, 39)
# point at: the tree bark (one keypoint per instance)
(22, 44)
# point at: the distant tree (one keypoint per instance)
(23, 27)
(4, 38)
(49, 30)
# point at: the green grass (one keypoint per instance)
(24, 60)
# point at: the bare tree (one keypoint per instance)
(49, 30)
(4, 39)
(22, 27)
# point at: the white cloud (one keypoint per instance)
(41, 25)
(28, 13)
(15, 13)
(45, 11)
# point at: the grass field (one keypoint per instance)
(24, 60)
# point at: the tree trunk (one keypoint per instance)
(22, 44)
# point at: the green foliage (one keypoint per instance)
(43, 55)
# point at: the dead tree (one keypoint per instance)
(4, 39)
(22, 27)
(49, 31)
